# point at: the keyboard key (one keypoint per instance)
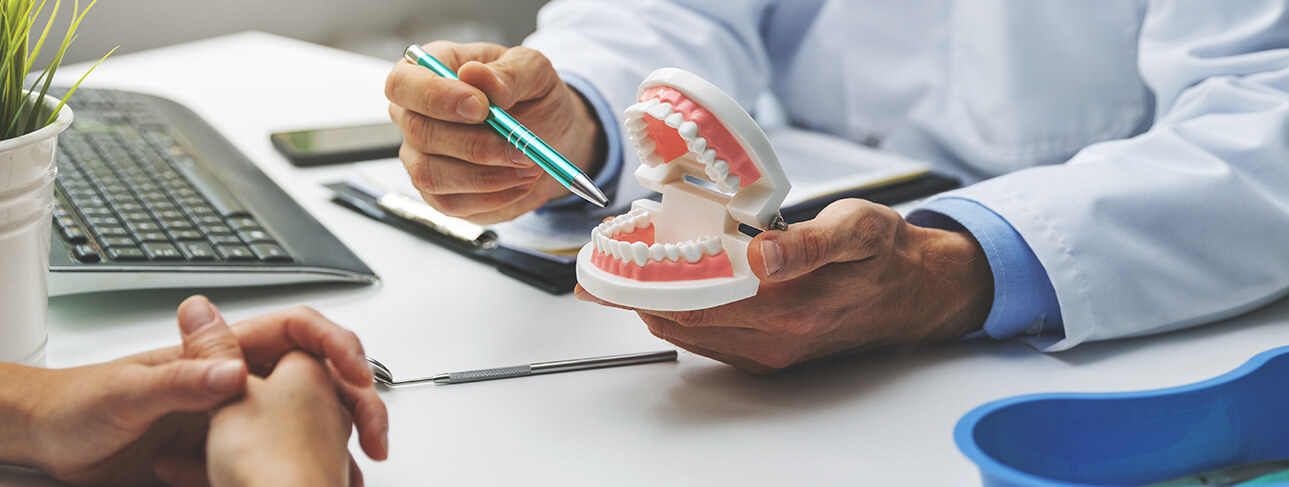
(177, 225)
(255, 236)
(111, 231)
(197, 251)
(244, 224)
(103, 221)
(270, 253)
(225, 240)
(125, 253)
(143, 226)
(161, 251)
(137, 216)
(169, 214)
(208, 220)
(72, 234)
(216, 230)
(151, 236)
(85, 253)
(235, 252)
(186, 235)
(117, 242)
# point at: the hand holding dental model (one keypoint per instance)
(856, 277)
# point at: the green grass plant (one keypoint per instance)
(20, 110)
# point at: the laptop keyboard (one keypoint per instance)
(129, 191)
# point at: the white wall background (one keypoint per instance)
(380, 28)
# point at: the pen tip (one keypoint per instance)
(582, 186)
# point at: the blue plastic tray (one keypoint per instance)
(1133, 438)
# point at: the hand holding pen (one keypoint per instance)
(455, 155)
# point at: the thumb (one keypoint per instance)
(520, 74)
(182, 385)
(846, 230)
(204, 332)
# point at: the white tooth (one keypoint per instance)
(645, 144)
(688, 130)
(660, 111)
(645, 220)
(634, 112)
(709, 155)
(639, 137)
(657, 252)
(674, 120)
(711, 173)
(711, 245)
(732, 182)
(625, 249)
(628, 224)
(698, 145)
(690, 251)
(595, 240)
(673, 253)
(641, 253)
(615, 227)
(653, 160)
(720, 169)
(650, 103)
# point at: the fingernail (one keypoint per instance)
(517, 156)
(225, 377)
(772, 254)
(528, 172)
(470, 109)
(196, 316)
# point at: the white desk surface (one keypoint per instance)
(882, 419)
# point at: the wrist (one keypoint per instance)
(956, 262)
(18, 414)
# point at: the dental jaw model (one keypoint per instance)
(686, 252)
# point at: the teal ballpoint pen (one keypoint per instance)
(523, 139)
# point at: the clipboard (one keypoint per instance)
(548, 275)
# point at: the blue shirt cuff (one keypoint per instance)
(1024, 299)
(607, 179)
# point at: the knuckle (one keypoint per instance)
(481, 149)
(418, 128)
(423, 177)
(814, 245)
(303, 312)
(486, 180)
(694, 317)
(447, 205)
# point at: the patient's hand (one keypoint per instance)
(287, 430)
(462, 167)
(121, 421)
(857, 277)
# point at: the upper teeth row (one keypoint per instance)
(717, 170)
(641, 253)
(627, 223)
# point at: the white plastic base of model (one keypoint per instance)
(671, 295)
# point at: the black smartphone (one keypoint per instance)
(334, 145)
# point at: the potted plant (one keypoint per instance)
(30, 121)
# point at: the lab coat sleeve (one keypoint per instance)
(614, 45)
(1184, 224)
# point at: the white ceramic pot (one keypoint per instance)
(27, 173)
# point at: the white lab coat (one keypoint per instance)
(1161, 127)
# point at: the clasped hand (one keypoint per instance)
(240, 405)
(855, 278)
